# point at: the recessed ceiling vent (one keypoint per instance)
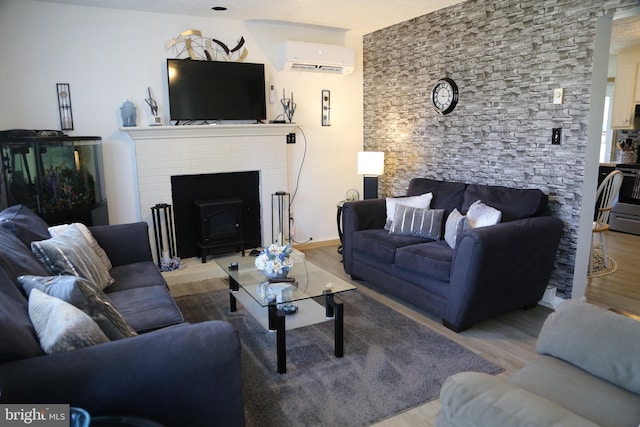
(315, 58)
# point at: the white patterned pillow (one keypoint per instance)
(453, 228)
(481, 215)
(422, 201)
(59, 229)
(69, 253)
(85, 296)
(417, 222)
(61, 326)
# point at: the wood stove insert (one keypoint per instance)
(219, 226)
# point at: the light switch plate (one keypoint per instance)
(558, 96)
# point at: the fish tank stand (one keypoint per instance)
(57, 176)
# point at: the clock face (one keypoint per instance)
(444, 95)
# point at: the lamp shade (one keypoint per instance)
(370, 163)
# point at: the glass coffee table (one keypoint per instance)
(268, 302)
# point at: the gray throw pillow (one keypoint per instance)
(85, 296)
(69, 253)
(61, 326)
(417, 222)
(422, 201)
(59, 229)
(453, 228)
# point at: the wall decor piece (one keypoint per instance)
(445, 95)
(190, 44)
(64, 106)
(326, 108)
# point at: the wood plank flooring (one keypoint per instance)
(507, 340)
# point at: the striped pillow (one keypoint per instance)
(417, 222)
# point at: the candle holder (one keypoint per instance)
(64, 106)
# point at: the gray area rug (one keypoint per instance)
(391, 364)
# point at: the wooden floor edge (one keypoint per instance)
(314, 245)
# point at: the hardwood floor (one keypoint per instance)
(507, 340)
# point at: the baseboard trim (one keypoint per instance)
(314, 245)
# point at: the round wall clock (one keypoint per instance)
(444, 95)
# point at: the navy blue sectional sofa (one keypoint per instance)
(491, 270)
(171, 372)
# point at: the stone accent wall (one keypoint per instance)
(506, 58)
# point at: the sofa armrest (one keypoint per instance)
(184, 375)
(473, 398)
(501, 267)
(124, 243)
(360, 215)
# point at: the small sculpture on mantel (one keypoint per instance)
(153, 106)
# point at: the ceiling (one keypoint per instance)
(359, 16)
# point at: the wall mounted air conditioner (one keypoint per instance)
(316, 58)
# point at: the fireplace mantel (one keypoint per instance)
(198, 131)
(165, 151)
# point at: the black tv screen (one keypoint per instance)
(213, 90)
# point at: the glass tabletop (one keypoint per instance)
(310, 280)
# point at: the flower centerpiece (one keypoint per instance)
(275, 261)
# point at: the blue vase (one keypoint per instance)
(128, 113)
(276, 275)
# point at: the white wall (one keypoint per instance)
(108, 55)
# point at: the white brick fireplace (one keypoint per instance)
(165, 151)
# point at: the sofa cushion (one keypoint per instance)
(382, 245)
(478, 399)
(87, 297)
(578, 391)
(18, 339)
(24, 223)
(146, 309)
(482, 215)
(69, 253)
(61, 326)
(422, 201)
(17, 259)
(59, 229)
(512, 202)
(446, 195)
(431, 259)
(590, 338)
(417, 222)
(135, 275)
(455, 225)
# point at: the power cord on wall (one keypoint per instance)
(295, 190)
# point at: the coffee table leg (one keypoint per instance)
(276, 323)
(233, 286)
(335, 309)
(281, 343)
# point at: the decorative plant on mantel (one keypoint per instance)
(190, 44)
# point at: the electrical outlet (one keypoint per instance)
(291, 138)
(556, 136)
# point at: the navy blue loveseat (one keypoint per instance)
(490, 271)
(172, 372)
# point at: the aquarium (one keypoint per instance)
(59, 177)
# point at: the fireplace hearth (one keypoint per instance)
(216, 213)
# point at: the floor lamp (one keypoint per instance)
(371, 165)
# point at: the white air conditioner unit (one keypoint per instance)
(316, 58)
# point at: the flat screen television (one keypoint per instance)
(213, 90)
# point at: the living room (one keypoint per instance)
(498, 134)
